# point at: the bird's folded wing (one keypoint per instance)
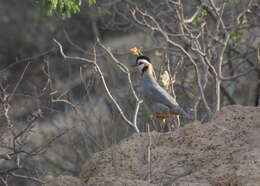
(155, 93)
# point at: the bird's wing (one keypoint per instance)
(155, 93)
(158, 107)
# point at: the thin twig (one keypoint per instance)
(149, 147)
(122, 67)
(37, 180)
(19, 81)
(72, 58)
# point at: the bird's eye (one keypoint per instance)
(140, 63)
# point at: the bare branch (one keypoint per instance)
(121, 66)
(28, 178)
(192, 18)
(72, 58)
(158, 28)
(94, 62)
(19, 81)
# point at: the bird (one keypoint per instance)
(158, 100)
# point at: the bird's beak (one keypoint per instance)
(134, 65)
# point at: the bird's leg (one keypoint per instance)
(169, 127)
(162, 125)
(177, 122)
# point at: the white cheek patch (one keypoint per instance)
(140, 67)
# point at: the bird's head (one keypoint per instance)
(143, 63)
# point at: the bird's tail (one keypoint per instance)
(186, 115)
(183, 113)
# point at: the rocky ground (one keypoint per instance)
(223, 152)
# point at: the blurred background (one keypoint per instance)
(60, 107)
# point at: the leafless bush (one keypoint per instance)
(15, 144)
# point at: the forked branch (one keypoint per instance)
(132, 123)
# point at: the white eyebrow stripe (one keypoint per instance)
(143, 60)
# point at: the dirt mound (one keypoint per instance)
(65, 181)
(225, 151)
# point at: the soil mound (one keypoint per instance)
(223, 152)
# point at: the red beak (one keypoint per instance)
(134, 65)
